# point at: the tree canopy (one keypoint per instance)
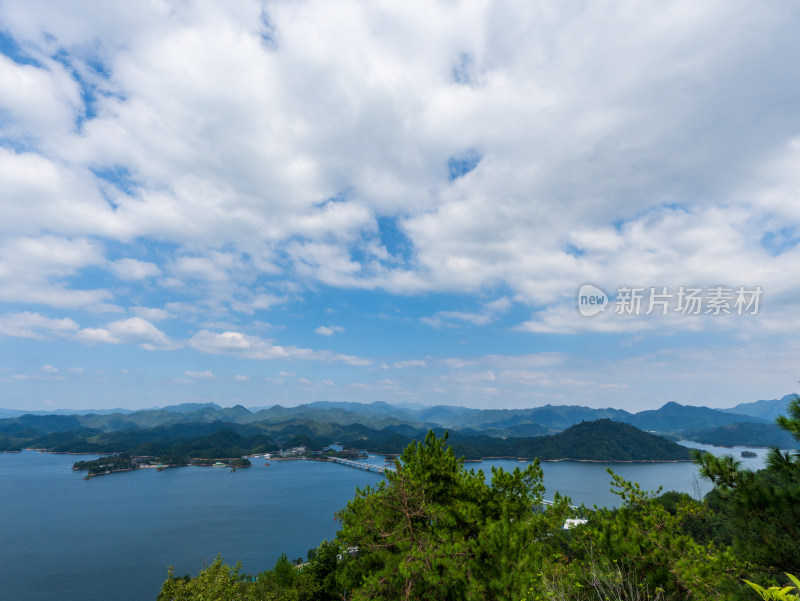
(436, 530)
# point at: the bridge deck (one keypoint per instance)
(380, 469)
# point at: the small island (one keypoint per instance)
(125, 462)
(749, 454)
(107, 465)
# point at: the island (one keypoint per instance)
(125, 462)
(207, 435)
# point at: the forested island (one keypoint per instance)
(435, 530)
(206, 430)
(125, 462)
(600, 440)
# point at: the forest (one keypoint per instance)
(599, 440)
(437, 531)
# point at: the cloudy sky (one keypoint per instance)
(287, 201)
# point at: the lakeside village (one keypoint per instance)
(125, 462)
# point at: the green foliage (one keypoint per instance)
(217, 582)
(213, 433)
(598, 580)
(106, 465)
(747, 434)
(777, 593)
(758, 511)
(646, 544)
(792, 423)
(434, 530)
(725, 471)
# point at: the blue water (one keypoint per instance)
(112, 537)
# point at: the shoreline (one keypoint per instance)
(482, 459)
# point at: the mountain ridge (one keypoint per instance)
(672, 419)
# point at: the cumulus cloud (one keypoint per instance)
(35, 326)
(328, 330)
(200, 375)
(152, 313)
(135, 330)
(34, 270)
(253, 347)
(223, 160)
(489, 313)
(410, 363)
(133, 269)
(508, 145)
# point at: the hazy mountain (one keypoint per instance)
(601, 440)
(744, 434)
(331, 419)
(608, 440)
(767, 410)
(18, 412)
(191, 407)
(673, 417)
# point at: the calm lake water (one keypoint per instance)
(112, 538)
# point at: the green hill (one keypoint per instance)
(745, 435)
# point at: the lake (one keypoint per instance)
(112, 537)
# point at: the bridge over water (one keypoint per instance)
(381, 469)
(370, 467)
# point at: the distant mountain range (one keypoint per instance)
(767, 410)
(601, 440)
(749, 424)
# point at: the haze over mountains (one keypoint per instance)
(384, 424)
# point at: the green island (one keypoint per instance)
(125, 462)
(551, 432)
(600, 440)
(197, 443)
(434, 530)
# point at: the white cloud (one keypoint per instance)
(43, 100)
(134, 330)
(241, 378)
(35, 326)
(247, 165)
(152, 313)
(253, 347)
(410, 363)
(328, 330)
(32, 270)
(489, 313)
(50, 369)
(92, 335)
(200, 375)
(133, 269)
(581, 120)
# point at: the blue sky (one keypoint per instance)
(282, 202)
